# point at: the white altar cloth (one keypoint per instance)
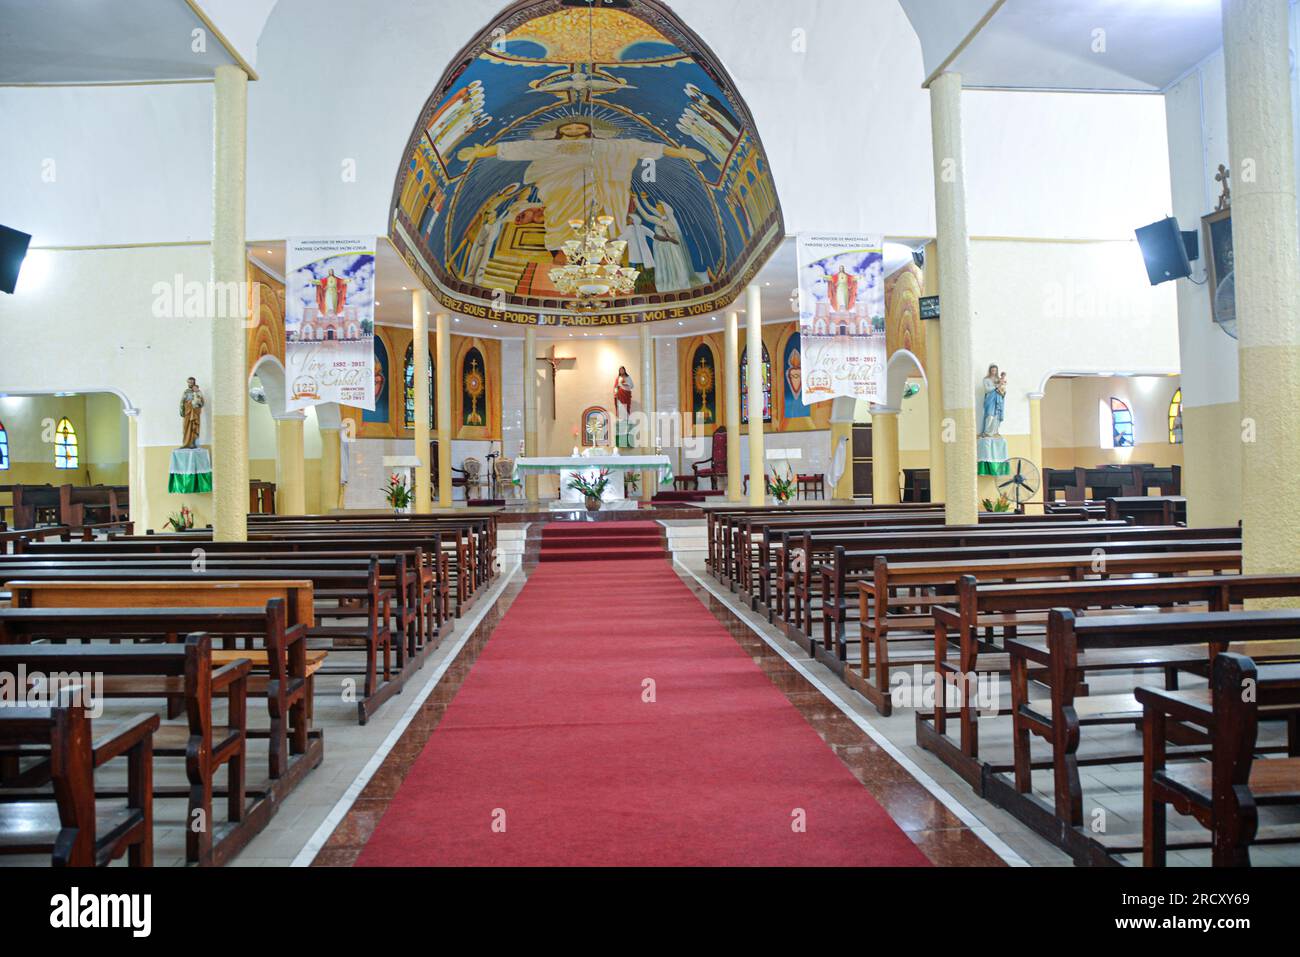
(567, 465)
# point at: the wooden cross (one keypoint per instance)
(556, 362)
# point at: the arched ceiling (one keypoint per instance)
(557, 106)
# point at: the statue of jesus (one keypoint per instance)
(191, 414)
(623, 391)
(562, 166)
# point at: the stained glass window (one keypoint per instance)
(65, 445)
(744, 385)
(408, 390)
(1121, 422)
(4, 447)
(1176, 418)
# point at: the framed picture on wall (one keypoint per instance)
(1217, 229)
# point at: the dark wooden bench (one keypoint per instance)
(1074, 647)
(71, 828)
(1224, 794)
(162, 670)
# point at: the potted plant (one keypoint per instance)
(397, 494)
(593, 490)
(182, 521)
(631, 484)
(1003, 504)
(781, 489)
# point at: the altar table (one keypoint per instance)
(566, 465)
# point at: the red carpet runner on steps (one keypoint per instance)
(601, 541)
(553, 753)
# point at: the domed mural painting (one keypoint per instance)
(560, 112)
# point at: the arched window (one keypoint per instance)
(1176, 418)
(4, 447)
(408, 390)
(1116, 424)
(65, 445)
(744, 385)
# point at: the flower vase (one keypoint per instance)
(593, 503)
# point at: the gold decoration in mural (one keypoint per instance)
(474, 386)
(703, 386)
(564, 35)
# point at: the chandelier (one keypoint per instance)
(594, 267)
(593, 270)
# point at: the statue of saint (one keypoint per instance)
(623, 391)
(331, 294)
(191, 414)
(995, 401)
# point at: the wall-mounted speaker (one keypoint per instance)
(13, 250)
(1164, 251)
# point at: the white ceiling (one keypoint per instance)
(395, 281)
(1132, 46)
(94, 41)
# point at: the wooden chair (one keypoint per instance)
(71, 829)
(1225, 794)
(504, 470)
(810, 486)
(715, 466)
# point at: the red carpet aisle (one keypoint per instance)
(551, 737)
(599, 541)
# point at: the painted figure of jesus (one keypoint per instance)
(559, 166)
(331, 294)
(842, 290)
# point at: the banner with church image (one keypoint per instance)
(329, 322)
(842, 316)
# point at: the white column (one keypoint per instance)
(731, 382)
(420, 370)
(649, 477)
(530, 408)
(443, 373)
(958, 363)
(754, 374)
(137, 488)
(229, 392)
(1267, 277)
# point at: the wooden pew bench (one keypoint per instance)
(373, 637)
(1001, 611)
(884, 614)
(160, 671)
(1076, 646)
(72, 828)
(1226, 793)
(282, 667)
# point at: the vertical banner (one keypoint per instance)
(329, 322)
(842, 316)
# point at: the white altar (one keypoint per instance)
(590, 465)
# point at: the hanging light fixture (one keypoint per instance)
(593, 270)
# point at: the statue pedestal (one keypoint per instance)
(191, 472)
(991, 453)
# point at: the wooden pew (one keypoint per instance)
(873, 676)
(71, 829)
(1076, 646)
(284, 665)
(1223, 795)
(79, 586)
(205, 746)
(834, 581)
(1002, 611)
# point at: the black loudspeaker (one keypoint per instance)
(13, 250)
(1164, 251)
(1192, 242)
(918, 257)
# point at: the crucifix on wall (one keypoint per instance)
(556, 362)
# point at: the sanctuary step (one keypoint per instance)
(580, 541)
